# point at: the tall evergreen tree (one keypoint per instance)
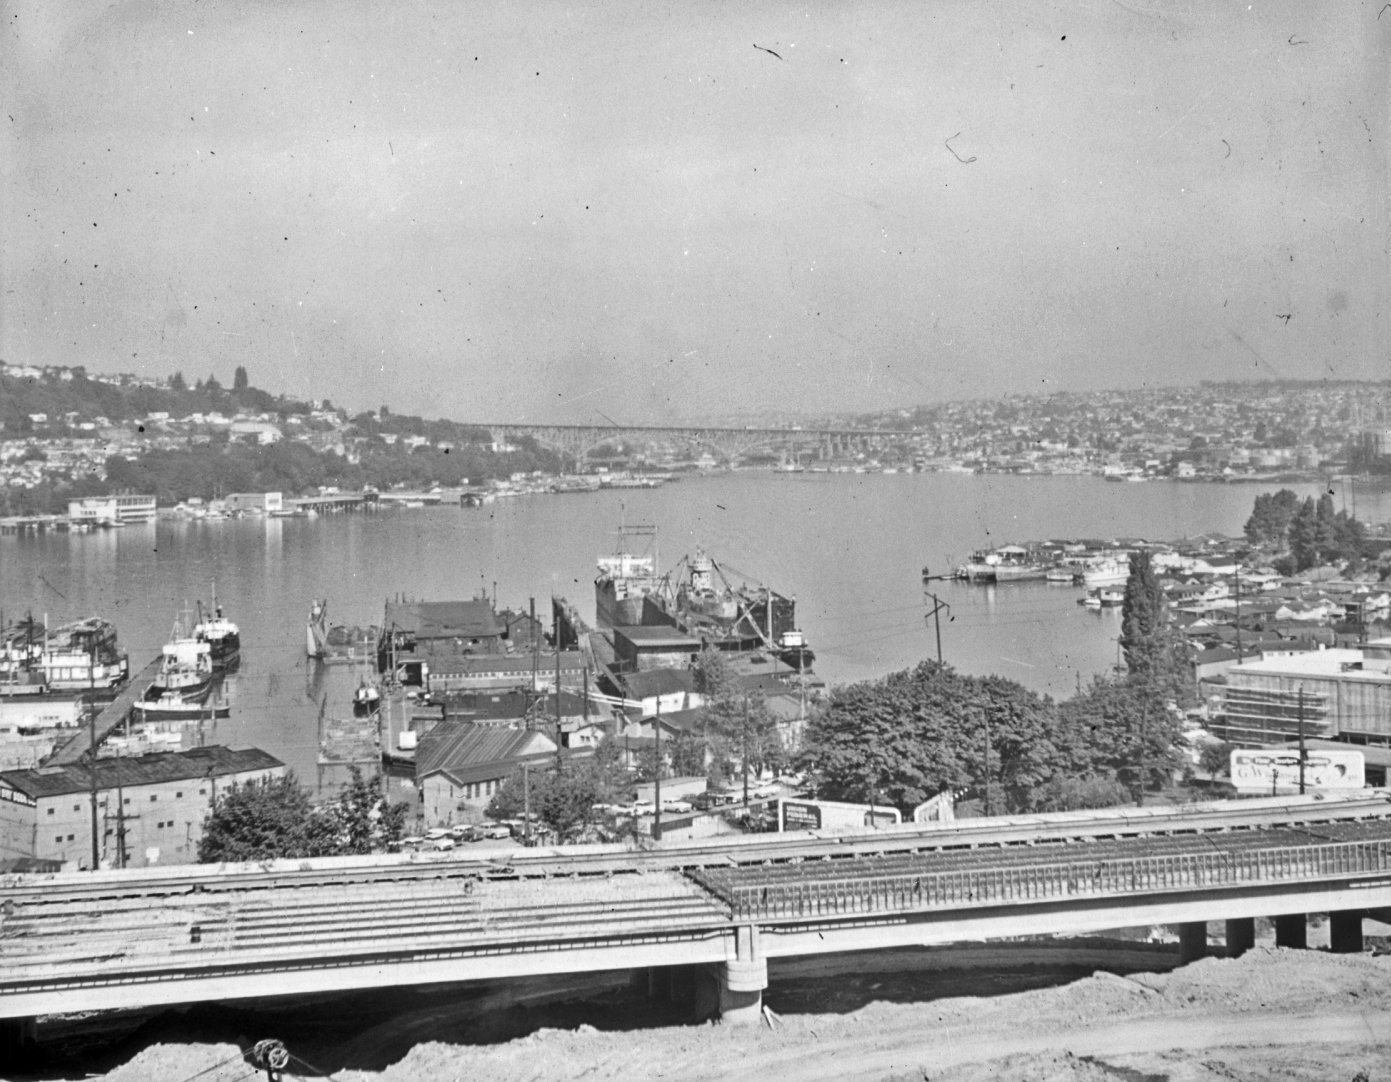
(1146, 639)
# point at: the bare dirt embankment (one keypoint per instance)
(1302, 1016)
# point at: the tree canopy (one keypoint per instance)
(907, 737)
(273, 818)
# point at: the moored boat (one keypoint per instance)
(626, 579)
(80, 658)
(186, 667)
(222, 636)
(175, 706)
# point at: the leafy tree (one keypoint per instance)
(239, 381)
(563, 793)
(1067, 792)
(177, 382)
(262, 820)
(273, 818)
(362, 817)
(1270, 518)
(1122, 728)
(912, 734)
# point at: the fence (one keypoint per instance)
(817, 896)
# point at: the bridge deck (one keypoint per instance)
(906, 882)
(191, 931)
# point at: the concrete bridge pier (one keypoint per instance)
(1345, 931)
(743, 980)
(1291, 930)
(1192, 941)
(17, 1040)
(1241, 936)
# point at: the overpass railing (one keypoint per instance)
(819, 895)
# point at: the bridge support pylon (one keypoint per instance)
(1292, 930)
(1192, 941)
(743, 980)
(1241, 936)
(1345, 931)
(17, 1040)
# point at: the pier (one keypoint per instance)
(112, 714)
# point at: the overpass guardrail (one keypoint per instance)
(838, 895)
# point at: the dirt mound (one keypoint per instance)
(1229, 1020)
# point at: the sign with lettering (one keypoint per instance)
(1274, 770)
(833, 815)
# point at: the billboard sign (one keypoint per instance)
(1273, 770)
(832, 815)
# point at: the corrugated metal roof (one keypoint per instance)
(453, 745)
(137, 770)
(643, 685)
(444, 619)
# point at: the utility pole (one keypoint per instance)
(657, 777)
(744, 755)
(988, 811)
(92, 748)
(526, 803)
(1301, 739)
(535, 645)
(937, 606)
(1144, 732)
(1238, 613)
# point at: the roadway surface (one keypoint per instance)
(76, 941)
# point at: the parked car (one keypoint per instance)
(676, 807)
(439, 832)
(497, 830)
(441, 844)
(465, 832)
(411, 841)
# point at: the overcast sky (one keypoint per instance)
(540, 211)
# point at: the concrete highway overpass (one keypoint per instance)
(698, 916)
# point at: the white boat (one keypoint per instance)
(1107, 572)
(186, 667)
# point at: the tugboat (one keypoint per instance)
(222, 636)
(792, 650)
(185, 679)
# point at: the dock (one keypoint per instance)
(112, 715)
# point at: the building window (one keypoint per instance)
(154, 797)
(71, 836)
(77, 807)
(179, 795)
(202, 792)
(51, 811)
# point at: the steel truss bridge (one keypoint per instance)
(727, 443)
(702, 916)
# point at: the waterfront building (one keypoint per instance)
(150, 808)
(461, 766)
(104, 510)
(255, 503)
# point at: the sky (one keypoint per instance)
(568, 213)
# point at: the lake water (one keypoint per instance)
(849, 547)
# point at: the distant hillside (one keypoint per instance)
(123, 433)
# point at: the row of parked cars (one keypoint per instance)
(444, 838)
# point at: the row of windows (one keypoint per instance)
(154, 797)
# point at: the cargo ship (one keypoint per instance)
(626, 579)
(701, 599)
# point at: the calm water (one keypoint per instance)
(849, 547)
